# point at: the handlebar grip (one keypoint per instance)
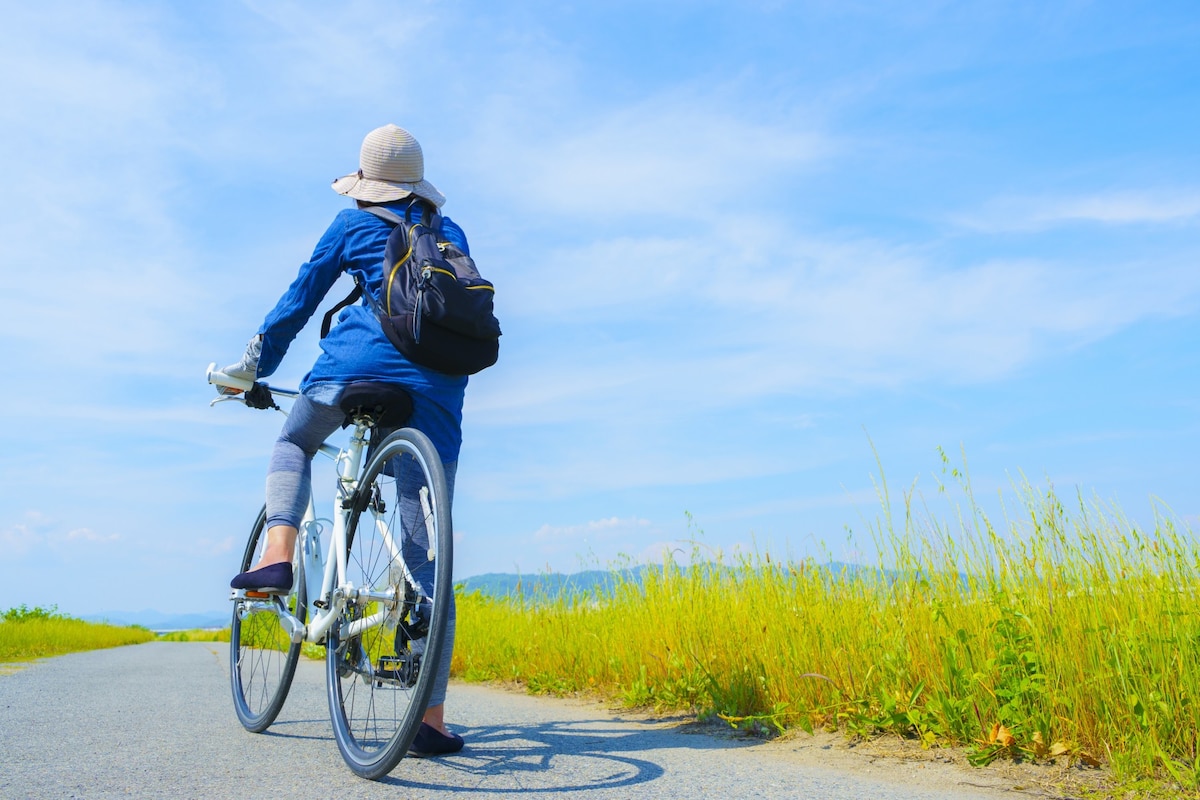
(218, 378)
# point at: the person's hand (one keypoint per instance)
(246, 369)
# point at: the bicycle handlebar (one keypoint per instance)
(218, 378)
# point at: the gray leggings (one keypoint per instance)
(289, 484)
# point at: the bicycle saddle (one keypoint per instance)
(388, 405)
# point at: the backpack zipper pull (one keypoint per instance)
(426, 274)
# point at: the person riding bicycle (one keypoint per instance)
(392, 174)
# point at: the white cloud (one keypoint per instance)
(37, 532)
(19, 538)
(90, 116)
(615, 457)
(671, 155)
(784, 313)
(616, 276)
(198, 547)
(348, 50)
(608, 528)
(91, 536)
(1127, 207)
(569, 547)
(674, 154)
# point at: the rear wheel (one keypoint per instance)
(262, 656)
(383, 653)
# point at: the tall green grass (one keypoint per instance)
(1060, 632)
(28, 633)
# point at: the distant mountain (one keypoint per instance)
(158, 621)
(550, 584)
(555, 584)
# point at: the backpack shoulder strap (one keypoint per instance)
(327, 322)
(385, 214)
(388, 216)
(427, 215)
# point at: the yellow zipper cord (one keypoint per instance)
(455, 277)
(392, 274)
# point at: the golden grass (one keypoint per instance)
(1059, 635)
(27, 634)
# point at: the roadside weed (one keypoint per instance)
(1064, 632)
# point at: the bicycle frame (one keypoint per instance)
(325, 606)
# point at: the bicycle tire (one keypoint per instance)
(380, 679)
(259, 675)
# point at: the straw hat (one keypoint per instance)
(391, 167)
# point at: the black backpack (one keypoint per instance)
(434, 305)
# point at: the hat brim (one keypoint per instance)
(374, 191)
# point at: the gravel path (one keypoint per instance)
(156, 721)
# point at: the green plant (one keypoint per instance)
(24, 613)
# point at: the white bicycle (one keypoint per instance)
(372, 584)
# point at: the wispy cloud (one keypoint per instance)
(38, 532)
(601, 528)
(19, 538)
(779, 312)
(90, 536)
(674, 155)
(668, 155)
(552, 544)
(1125, 207)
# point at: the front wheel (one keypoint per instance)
(382, 655)
(262, 656)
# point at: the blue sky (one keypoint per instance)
(740, 248)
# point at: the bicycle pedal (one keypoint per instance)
(400, 670)
(248, 594)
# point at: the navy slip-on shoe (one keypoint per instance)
(431, 743)
(275, 578)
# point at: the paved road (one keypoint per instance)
(155, 721)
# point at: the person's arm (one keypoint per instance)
(300, 301)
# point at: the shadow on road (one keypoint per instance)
(557, 756)
(551, 757)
